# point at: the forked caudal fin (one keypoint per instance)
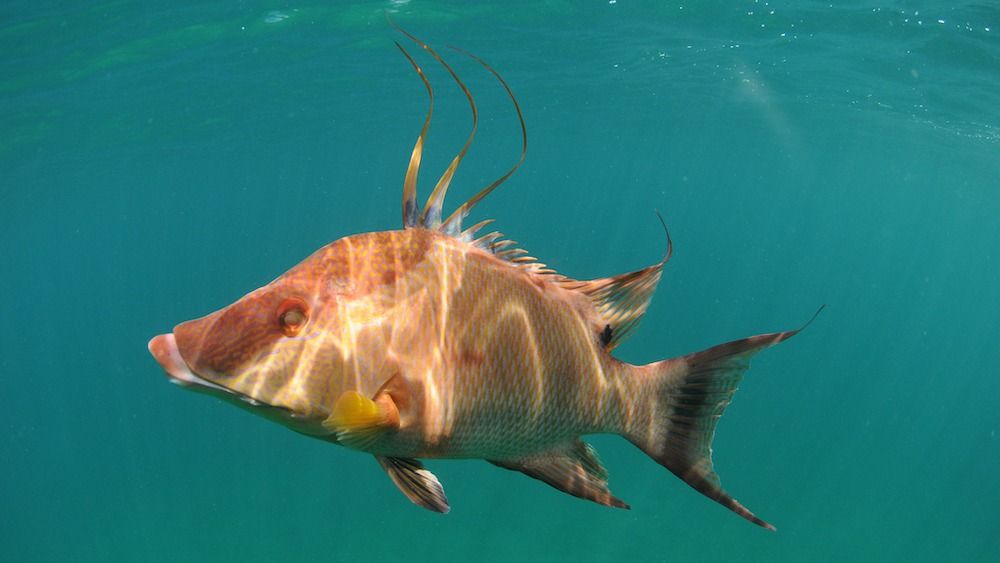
(687, 397)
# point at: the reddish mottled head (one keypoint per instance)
(254, 349)
(227, 340)
(291, 347)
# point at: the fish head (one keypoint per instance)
(272, 352)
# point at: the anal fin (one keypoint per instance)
(574, 469)
(417, 483)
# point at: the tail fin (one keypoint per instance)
(690, 393)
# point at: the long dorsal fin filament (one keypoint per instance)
(454, 221)
(410, 183)
(430, 217)
(621, 300)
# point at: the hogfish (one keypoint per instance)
(436, 341)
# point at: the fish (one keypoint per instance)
(436, 341)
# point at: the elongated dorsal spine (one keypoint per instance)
(430, 217)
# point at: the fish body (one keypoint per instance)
(435, 342)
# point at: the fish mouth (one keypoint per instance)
(164, 350)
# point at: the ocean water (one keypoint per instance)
(158, 163)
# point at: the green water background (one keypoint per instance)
(157, 163)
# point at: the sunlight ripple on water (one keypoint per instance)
(275, 17)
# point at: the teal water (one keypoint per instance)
(157, 164)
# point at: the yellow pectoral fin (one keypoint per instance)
(353, 410)
(358, 421)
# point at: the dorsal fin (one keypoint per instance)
(431, 216)
(454, 221)
(410, 183)
(621, 300)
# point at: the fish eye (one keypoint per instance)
(292, 315)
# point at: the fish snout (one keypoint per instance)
(165, 352)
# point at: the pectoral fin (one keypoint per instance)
(358, 421)
(573, 468)
(418, 484)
